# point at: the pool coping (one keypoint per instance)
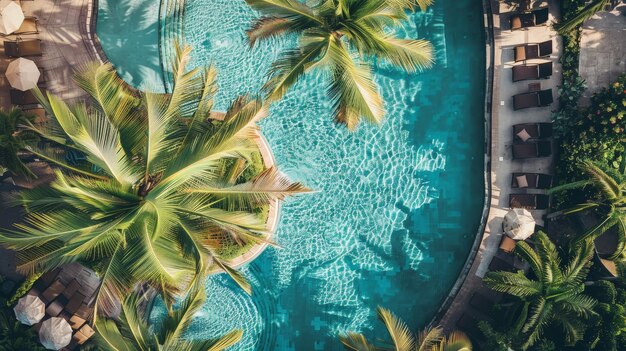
(472, 256)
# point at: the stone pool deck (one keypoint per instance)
(503, 117)
(603, 50)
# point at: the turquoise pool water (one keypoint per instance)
(397, 206)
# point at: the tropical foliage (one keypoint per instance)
(584, 12)
(13, 139)
(153, 199)
(339, 36)
(403, 340)
(132, 333)
(13, 334)
(609, 201)
(554, 296)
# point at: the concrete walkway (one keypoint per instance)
(502, 163)
(603, 49)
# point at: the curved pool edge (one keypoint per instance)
(90, 30)
(440, 317)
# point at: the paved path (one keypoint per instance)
(502, 164)
(603, 49)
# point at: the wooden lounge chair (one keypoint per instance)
(83, 334)
(532, 99)
(482, 303)
(507, 244)
(29, 26)
(497, 264)
(46, 279)
(528, 131)
(22, 48)
(71, 289)
(531, 180)
(53, 291)
(533, 51)
(535, 71)
(75, 303)
(530, 19)
(529, 201)
(532, 149)
(54, 308)
(76, 322)
(20, 98)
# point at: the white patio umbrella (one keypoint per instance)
(518, 224)
(11, 16)
(29, 310)
(55, 333)
(23, 74)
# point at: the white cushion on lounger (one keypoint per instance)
(522, 182)
(523, 134)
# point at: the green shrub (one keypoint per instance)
(23, 289)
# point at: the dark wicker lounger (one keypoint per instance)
(526, 131)
(532, 99)
(19, 97)
(533, 51)
(22, 48)
(530, 19)
(529, 201)
(535, 71)
(533, 180)
(532, 149)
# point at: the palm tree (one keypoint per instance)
(610, 203)
(132, 333)
(582, 15)
(154, 201)
(13, 138)
(402, 339)
(340, 36)
(555, 296)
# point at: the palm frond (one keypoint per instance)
(356, 342)
(398, 331)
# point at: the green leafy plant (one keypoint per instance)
(132, 333)
(577, 18)
(14, 137)
(609, 202)
(403, 340)
(555, 295)
(339, 35)
(152, 201)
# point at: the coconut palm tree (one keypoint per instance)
(13, 138)
(555, 296)
(339, 36)
(154, 200)
(402, 339)
(610, 202)
(131, 332)
(582, 15)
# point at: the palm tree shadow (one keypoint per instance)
(129, 34)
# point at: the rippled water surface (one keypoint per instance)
(396, 207)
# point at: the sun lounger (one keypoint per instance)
(482, 303)
(534, 71)
(76, 322)
(71, 289)
(532, 99)
(533, 51)
(53, 291)
(19, 97)
(531, 180)
(75, 302)
(526, 131)
(530, 19)
(83, 334)
(529, 201)
(22, 48)
(29, 26)
(46, 279)
(507, 244)
(499, 265)
(532, 149)
(54, 308)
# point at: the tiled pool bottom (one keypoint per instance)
(397, 206)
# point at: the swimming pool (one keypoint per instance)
(397, 206)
